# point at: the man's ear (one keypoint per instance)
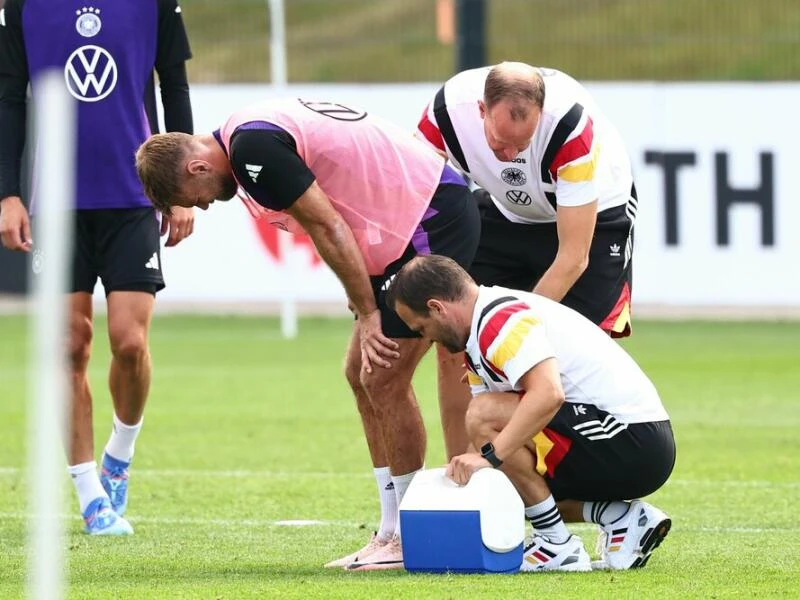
(197, 167)
(435, 306)
(482, 108)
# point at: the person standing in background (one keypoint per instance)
(107, 51)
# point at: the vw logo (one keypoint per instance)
(340, 112)
(513, 176)
(518, 197)
(90, 73)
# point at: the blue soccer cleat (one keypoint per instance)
(114, 479)
(101, 519)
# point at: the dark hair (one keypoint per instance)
(521, 92)
(426, 277)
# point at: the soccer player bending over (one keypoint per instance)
(557, 405)
(371, 198)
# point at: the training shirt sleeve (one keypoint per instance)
(428, 130)
(13, 89)
(266, 164)
(573, 165)
(175, 98)
(173, 43)
(513, 340)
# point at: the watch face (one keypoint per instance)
(487, 448)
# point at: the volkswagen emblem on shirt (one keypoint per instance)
(340, 112)
(88, 23)
(91, 73)
(518, 197)
(513, 176)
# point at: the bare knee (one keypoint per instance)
(479, 422)
(129, 346)
(80, 343)
(386, 388)
(352, 372)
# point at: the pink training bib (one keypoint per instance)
(379, 178)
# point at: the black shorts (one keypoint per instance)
(120, 246)
(586, 454)
(516, 255)
(450, 227)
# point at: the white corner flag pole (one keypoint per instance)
(277, 43)
(286, 250)
(54, 177)
(289, 270)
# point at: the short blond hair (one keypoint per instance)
(158, 164)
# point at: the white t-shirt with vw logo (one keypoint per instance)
(587, 158)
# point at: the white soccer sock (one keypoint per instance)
(547, 521)
(388, 502)
(401, 483)
(604, 513)
(123, 440)
(87, 483)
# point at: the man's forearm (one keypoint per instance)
(337, 247)
(531, 417)
(559, 278)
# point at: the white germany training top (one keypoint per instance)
(576, 155)
(513, 331)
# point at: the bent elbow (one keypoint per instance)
(332, 231)
(557, 399)
(581, 265)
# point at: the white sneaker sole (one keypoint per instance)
(651, 540)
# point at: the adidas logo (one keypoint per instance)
(153, 262)
(253, 171)
(597, 430)
(387, 283)
(614, 249)
(390, 486)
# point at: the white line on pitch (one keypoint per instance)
(235, 474)
(243, 474)
(17, 516)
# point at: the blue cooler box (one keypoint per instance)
(476, 528)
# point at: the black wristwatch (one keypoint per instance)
(487, 452)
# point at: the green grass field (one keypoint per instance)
(244, 429)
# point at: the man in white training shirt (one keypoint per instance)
(557, 405)
(557, 201)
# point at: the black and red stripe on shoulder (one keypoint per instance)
(559, 151)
